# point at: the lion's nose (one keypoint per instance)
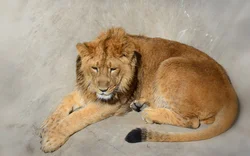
(103, 90)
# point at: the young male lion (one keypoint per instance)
(168, 82)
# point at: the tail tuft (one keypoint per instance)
(136, 135)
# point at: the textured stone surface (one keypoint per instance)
(37, 64)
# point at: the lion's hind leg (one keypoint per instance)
(167, 116)
(164, 116)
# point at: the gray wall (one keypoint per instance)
(37, 65)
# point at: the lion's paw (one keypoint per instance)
(52, 140)
(51, 121)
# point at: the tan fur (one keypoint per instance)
(181, 85)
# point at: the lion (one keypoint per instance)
(166, 81)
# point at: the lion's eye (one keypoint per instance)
(112, 69)
(95, 69)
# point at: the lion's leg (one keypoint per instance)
(69, 104)
(167, 116)
(170, 96)
(56, 136)
(183, 86)
(164, 116)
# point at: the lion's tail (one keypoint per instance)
(223, 121)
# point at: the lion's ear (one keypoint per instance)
(82, 49)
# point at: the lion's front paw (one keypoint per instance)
(52, 120)
(53, 139)
(138, 105)
(48, 123)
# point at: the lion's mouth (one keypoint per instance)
(107, 95)
(104, 96)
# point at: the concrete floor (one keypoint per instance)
(37, 64)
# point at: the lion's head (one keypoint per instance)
(106, 65)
